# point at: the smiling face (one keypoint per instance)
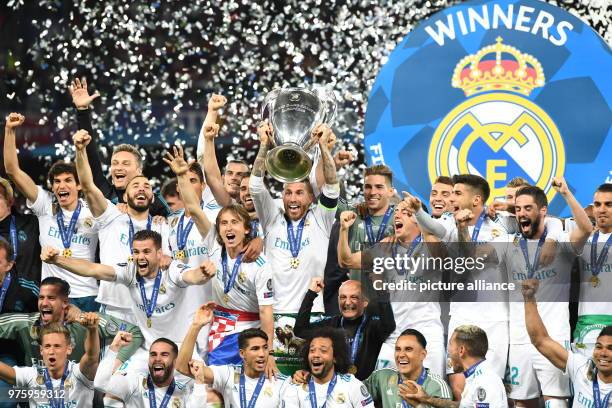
(602, 210)
(439, 198)
(463, 198)
(66, 189)
(255, 354)
(404, 222)
(234, 172)
(409, 355)
(529, 217)
(602, 355)
(321, 357)
(146, 257)
(245, 195)
(51, 304)
(232, 228)
(123, 168)
(54, 350)
(351, 301)
(377, 192)
(296, 199)
(455, 352)
(161, 362)
(139, 194)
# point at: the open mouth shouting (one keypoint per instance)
(317, 366)
(143, 266)
(158, 370)
(399, 225)
(63, 195)
(120, 178)
(403, 364)
(525, 224)
(294, 209)
(46, 314)
(52, 361)
(230, 238)
(438, 206)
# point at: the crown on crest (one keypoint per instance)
(516, 72)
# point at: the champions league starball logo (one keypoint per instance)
(499, 89)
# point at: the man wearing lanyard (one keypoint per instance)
(59, 382)
(21, 232)
(325, 357)
(296, 236)
(595, 308)
(410, 353)
(156, 387)
(65, 221)
(467, 349)
(244, 385)
(366, 328)
(591, 376)
(117, 228)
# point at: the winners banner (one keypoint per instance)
(499, 89)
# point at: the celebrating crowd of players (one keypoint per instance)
(216, 293)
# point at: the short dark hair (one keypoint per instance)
(379, 170)
(535, 192)
(338, 339)
(419, 336)
(474, 339)
(62, 285)
(8, 248)
(604, 188)
(195, 167)
(241, 213)
(476, 182)
(248, 334)
(62, 167)
(154, 236)
(242, 162)
(444, 180)
(169, 188)
(606, 331)
(52, 328)
(167, 341)
(124, 147)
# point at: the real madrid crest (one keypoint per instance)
(241, 277)
(176, 402)
(268, 391)
(88, 222)
(340, 398)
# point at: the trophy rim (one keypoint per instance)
(279, 177)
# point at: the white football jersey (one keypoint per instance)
(227, 382)
(483, 389)
(591, 297)
(83, 244)
(580, 371)
(348, 392)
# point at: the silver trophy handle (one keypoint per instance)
(268, 103)
(331, 106)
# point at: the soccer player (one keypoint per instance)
(410, 354)
(15, 296)
(117, 228)
(241, 385)
(440, 196)
(60, 381)
(483, 387)
(591, 375)
(595, 308)
(69, 225)
(325, 357)
(171, 195)
(157, 387)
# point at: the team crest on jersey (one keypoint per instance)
(174, 222)
(241, 277)
(495, 233)
(481, 394)
(176, 402)
(268, 391)
(340, 398)
(162, 288)
(88, 222)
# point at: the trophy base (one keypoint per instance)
(288, 164)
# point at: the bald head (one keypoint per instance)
(351, 300)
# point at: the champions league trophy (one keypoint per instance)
(293, 114)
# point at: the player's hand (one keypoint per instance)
(81, 139)
(72, 313)
(122, 339)
(203, 315)
(165, 262)
(14, 120)
(347, 218)
(411, 392)
(300, 377)
(208, 270)
(216, 102)
(265, 132)
(271, 370)
(176, 160)
(316, 284)
(211, 131)
(159, 220)
(49, 255)
(463, 217)
(411, 201)
(342, 158)
(529, 287)
(90, 320)
(560, 185)
(80, 97)
(252, 250)
(196, 368)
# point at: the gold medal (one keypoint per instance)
(241, 277)
(67, 253)
(149, 322)
(130, 258)
(67, 383)
(595, 281)
(352, 369)
(180, 255)
(226, 298)
(294, 263)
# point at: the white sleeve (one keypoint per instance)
(25, 376)
(119, 385)
(197, 398)
(312, 177)
(201, 146)
(263, 201)
(175, 273)
(43, 203)
(81, 377)
(573, 365)
(289, 394)
(553, 225)
(508, 222)
(263, 283)
(110, 213)
(360, 396)
(428, 224)
(123, 275)
(223, 376)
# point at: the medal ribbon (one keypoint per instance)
(471, 370)
(476, 230)
(152, 400)
(13, 234)
(532, 268)
(597, 401)
(183, 233)
(55, 402)
(67, 234)
(295, 239)
(149, 305)
(253, 400)
(131, 229)
(357, 338)
(5, 287)
(254, 227)
(229, 280)
(597, 262)
(419, 381)
(415, 242)
(312, 395)
(381, 229)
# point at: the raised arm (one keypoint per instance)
(346, 258)
(180, 167)
(201, 318)
(22, 180)
(89, 362)
(7, 373)
(208, 156)
(199, 275)
(327, 138)
(117, 385)
(95, 199)
(579, 235)
(264, 130)
(553, 351)
(79, 267)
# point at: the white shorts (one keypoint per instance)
(435, 360)
(531, 374)
(498, 337)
